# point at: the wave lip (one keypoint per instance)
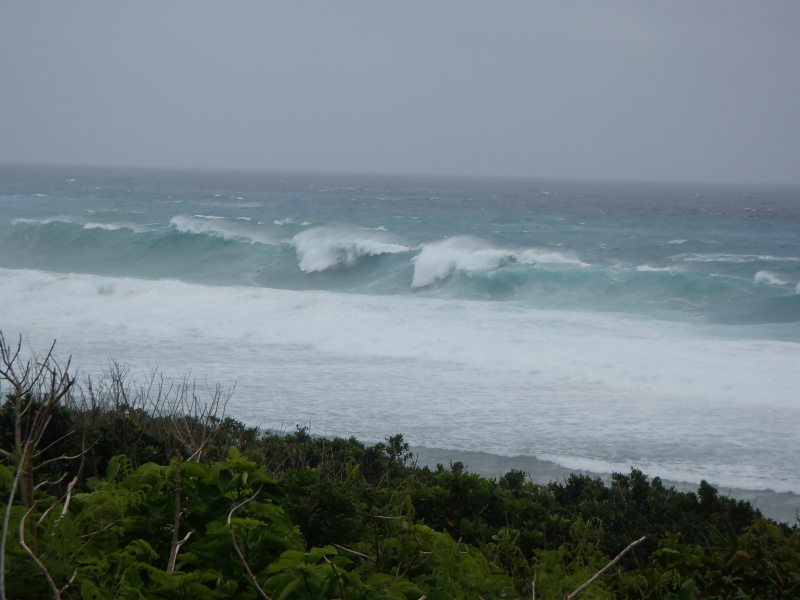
(649, 269)
(322, 248)
(219, 227)
(114, 227)
(768, 278)
(439, 260)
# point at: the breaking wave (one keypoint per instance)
(221, 228)
(768, 278)
(439, 260)
(322, 248)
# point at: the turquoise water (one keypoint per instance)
(726, 255)
(594, 325)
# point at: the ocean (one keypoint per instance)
(592, 326)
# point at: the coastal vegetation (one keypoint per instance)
(113, 488)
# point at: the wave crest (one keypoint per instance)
(439, 260)
(768, 278)
(216, 227)
(322, 248)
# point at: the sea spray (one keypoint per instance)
(322, 248)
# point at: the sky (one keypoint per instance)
(699, 90)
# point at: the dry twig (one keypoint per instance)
(603, 570)
(33, 556)
(238, 550)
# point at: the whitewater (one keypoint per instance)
(596, 326)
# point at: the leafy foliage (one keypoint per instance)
(165, 505)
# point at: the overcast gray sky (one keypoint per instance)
(659, 90)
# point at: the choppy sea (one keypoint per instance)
(597, 326)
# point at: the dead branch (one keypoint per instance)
(101, 530)
(7, 518)
(44, 483)
(369, 558)
(411, 565)
(68, 495)
(69, 583)
(173, 553)
(33, 556)
(238, 550)
(339, 577)
(603, 570)
(70, 487)
(66, 435)
(65, 457)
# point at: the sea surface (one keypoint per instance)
(594, 326)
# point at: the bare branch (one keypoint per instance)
(369, 558)
(66, 435)
(174, 556)
(339, 577)
(71, 579)
(236, 546)
(65, 457)
(44, 483)
(173, 553)
(603, 570)
(33, 556)
(70, 487)
(101, 530)
(5, 523)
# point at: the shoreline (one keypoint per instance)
(780, 506)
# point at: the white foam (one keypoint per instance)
(286, 221)
(768, 278)
(210, 217)
(732, 258)
(648, 268)
(23, 221)
(205, 225)
(322, 248)
(118, 226)
(535, 256)
(681, 401)
(104, 226)
(677, 241)
(439, 260)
